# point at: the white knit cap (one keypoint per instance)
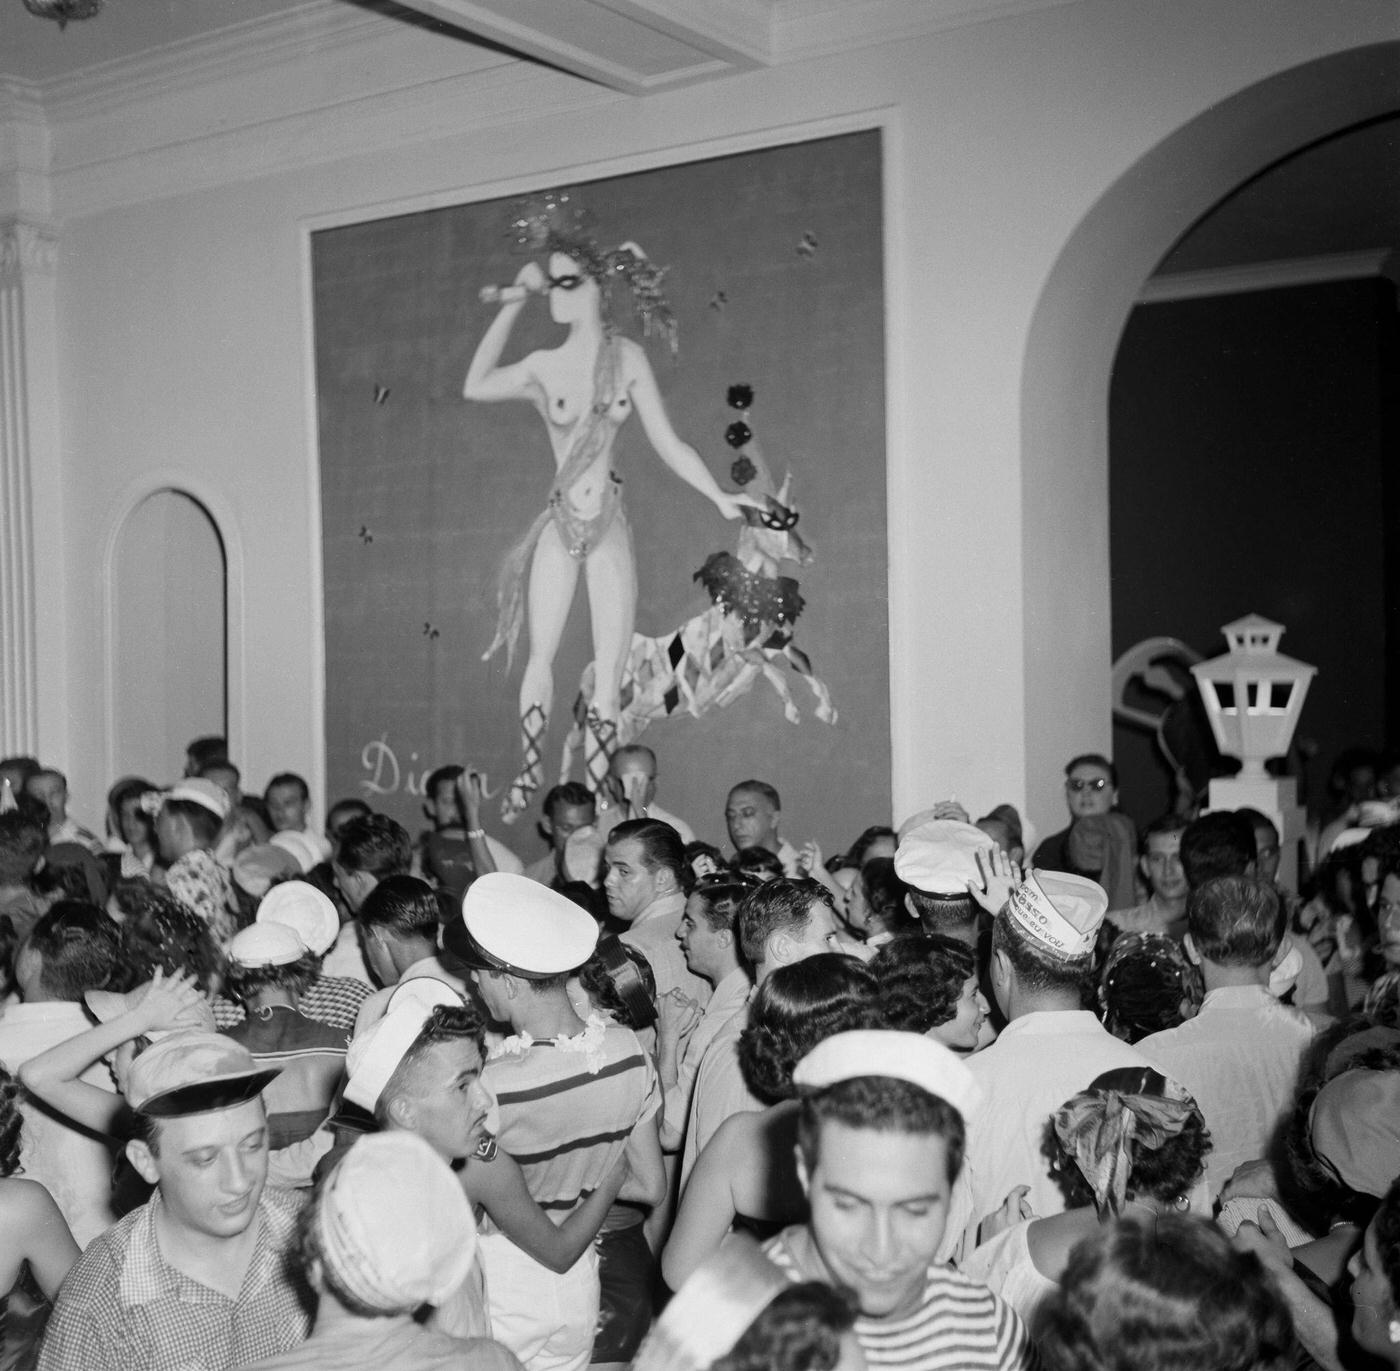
(394, 1226)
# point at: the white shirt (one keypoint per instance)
(1239, 1058)
(1037, 1063)
(73, 1165)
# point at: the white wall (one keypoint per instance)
(185, 339)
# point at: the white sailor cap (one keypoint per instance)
(263, 944)
(511, 923)
(1060, 911)
(376, 1050)
(889, 1052)
(939, 857)
(308, 912)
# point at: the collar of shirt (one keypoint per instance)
(1237, 997)
(1045, 1023)
(731, 993)
(146, 1276)
(662, 907)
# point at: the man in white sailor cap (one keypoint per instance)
(880, 1145)
(941, 860)
(570, 1093)
(1052, 1048)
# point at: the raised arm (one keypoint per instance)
(499, 1187)
(678, 455)
(53, 1076)
(486, 379)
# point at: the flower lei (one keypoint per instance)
(588, 1044)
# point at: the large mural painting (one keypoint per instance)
(605, 463)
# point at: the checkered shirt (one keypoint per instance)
(124, 1308)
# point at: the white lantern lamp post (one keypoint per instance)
(1253, 696)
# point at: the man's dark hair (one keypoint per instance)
(402, 905)
(447, 1023)
(1220, 844)
(218, 764)
(1235, 921)
(77, 946)
(880, 1104)
(1163, 823)
(443, 775)
(719, 897)
(1093, 759)
(242, 983)
(202, 751)
(375, 844)
(940, 913)
(660, 845)
(769, 792)
(1038, 970)
(572, 793)
(776, 906)
(204, 823)
(1258, 819)
(22, 842)
(287, 778)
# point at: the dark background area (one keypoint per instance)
(775, 276)
(1253, 450)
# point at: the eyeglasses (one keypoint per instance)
(1077, 784)
(565, 282)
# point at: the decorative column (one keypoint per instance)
(28, 435)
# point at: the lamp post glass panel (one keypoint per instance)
(1253, 695)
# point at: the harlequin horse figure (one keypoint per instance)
(717, 656)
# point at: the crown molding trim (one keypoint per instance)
(1292, 271)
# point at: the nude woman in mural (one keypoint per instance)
(585, 389)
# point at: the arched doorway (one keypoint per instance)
(1073, 340)
(169, 633)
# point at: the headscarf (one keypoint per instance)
(1102, 1127)
(1106, 843)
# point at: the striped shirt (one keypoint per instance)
(568, 1105)
(959, 1326)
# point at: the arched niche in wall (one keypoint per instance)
(1068, 363)
(168, 632)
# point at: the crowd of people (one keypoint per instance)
(282, 1093)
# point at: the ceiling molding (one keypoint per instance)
(632, 46)
(1296, 271)
(243, 150)
(230, 54)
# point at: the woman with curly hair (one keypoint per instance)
(747, 1169)
(1159, 1292)
(1133, 1142)
(929, 985)
(36, 1246)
